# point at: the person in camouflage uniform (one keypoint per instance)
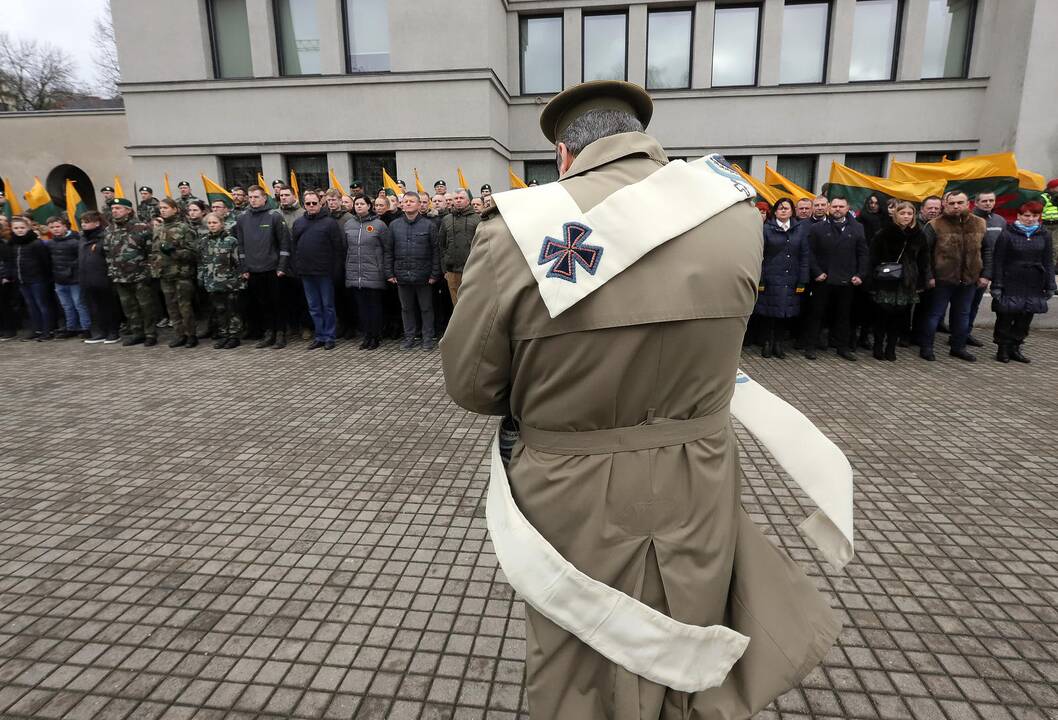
(186, 196)
(218, 265)
(148, 209)
(172, 261)
(226, 215)
(238, 196)
(126, 245)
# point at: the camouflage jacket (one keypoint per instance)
(183, 201)
(173, 250)
(219, 263)
(126, 244)
(147, 211)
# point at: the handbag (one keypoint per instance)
(892, 270)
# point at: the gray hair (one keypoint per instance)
(595, 125)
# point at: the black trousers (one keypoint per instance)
(294, 308)
(1011, 328)
(263, 302)
(10, 309)
(367, 302)
(890, 322)
(103, 309)
(825, 297)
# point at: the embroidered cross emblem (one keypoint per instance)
(570, 252)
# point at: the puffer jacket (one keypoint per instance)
(956, 243)
(173, 250)
(31, 259)
(369, 252)
(456, 236)
(783, 270)
(64, 252)
(416, 252)
(92, 260)
(1023, 271)
(317, 245)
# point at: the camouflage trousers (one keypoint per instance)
(139, 306)
(180, 303)
(226, 314)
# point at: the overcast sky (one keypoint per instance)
(67, 23)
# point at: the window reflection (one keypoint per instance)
(669, 49)
(948, 27)
(735, 44)
(604, 47)
(541, 54)
(299, 37)
(804, 42)
(366, 36)
(873, 40)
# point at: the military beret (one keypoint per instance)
(356, 184)
(106, 188)
(123, 202)
(532, 183)
(440, 183)
(276, 182)
(570, 104)
(183, 183)
(402, 183)
(144, 188)
(485, 187)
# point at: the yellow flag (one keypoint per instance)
(74, 205)
(973, 167)
(856, 186)
(418, 182)
(1028, 180)
(391, 187)
(215, 192)
(263, 185)
(462, 180)
(337, 185)
(12, 201)
(294, 185)
(119, 192)
(768, 194)
(168, 190)
(785, 186)
(516, 182)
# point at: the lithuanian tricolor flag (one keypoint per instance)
(784, 186)
(516, 182)
(215, 192)
(996, 173)
(39, 201)
(764, 192)
(391, 187)
(119, 192)
(335, 184)
(857, 187)
(11, 207)
(74, 205)
(462, 180)
(267, 191)
(294, 185)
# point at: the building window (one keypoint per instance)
(541, 47)
(743, 161)
(311, 171)
(949, 29)
(874, 40)
(866, 163)
(298, 35)
(669, 49)
(736, 45)
(240, 170)
(543, 171)
(799, 169)
(804, 42)
(366, 35)
(367, 168)
(935, 156)
(604, 44)
(229, 34)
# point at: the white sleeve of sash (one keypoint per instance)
(688, 658)
(815, 463)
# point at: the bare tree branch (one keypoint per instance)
(34, 76)
(105, 55)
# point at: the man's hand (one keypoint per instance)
(280, 273)
(822, 277)
(931, 284)
(392, 280)
(856, 280)
(432, 281)
(982, 282)
(246, 276)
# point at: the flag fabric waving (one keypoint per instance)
(857, 187)
(996, 173)
(462, 180)
(74, 205)
(267, 191)
(516, 182)
(39, 201)
(785, 186)
(215, 192)
(391, 187)
(119, 192)
(168, 190)
(294, 185)
(335, 184)
(765, 193)
(11, 207)
(418, 182)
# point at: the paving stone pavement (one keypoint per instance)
(237, 534)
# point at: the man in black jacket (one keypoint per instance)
(984, 204)
(839, 261)
(416, 266)
(318, 248)
(264, 253)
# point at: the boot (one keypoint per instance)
(366, 342)
(281, 341)
(267, 341)
(865, 338)
(192, 341)
(879, 353)
(890, 349)
(765, 348)
(178, 342)
(232, 343)
(220, 343)
(1016, 356)
(777, 349)
(376, 343)
(1003, 353)
(133, 340)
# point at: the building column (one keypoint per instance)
(572, 60)
(702, 42)
(342, 165)
(637, 44)
(912, 40)
(823, 162)
(264, 53)
(770, 44)
(897, 157)
(332, 45)
(758, 162)
(842, 22)
(514, 58)
(272, 168)
(981, 50)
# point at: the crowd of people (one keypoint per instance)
(895, 274)
(328, 265)
(257, 267)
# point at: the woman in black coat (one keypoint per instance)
(1022, 280)
(783, 276)
(898, 244)
(33, 272)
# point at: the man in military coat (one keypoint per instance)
(617, 362)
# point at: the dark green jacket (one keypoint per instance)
(456, 235)
(127, 243)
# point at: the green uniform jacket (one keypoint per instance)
(173, 250)
(219, 263)
(148, 210)
(456, 236)
(127, 243)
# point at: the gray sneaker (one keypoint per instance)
(407, 344)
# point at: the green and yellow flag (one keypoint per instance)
(786, 187)
(267, 191)
(996, 173)
(462, 180)
(168, 190)
(74, 205)
(857, 187)
(39, 201)
(764, 192)
(391, 187)
(516, 182)
(215, 192)
(337, 185)
(119, 192)
(294, 185)
(11, 207)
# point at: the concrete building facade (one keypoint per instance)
(228, 87)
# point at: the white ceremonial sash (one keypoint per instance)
(619, 232)
(688, 658)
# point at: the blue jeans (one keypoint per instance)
(35, 296)
(73, 307)
(319, 293)
(960, 297)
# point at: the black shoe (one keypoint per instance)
(178, 342)
(281, 341)
(777, 350)
(232, 343)
(112, 339)
(1003, 353)
(329, 345)
(316, 344)
(365, 345)
(810, 354)
(150, 341)
(133, 340)
(963, 355)
(926, 354)
(375, 344)
(267, 341)
(1016, 356)
(848, 355)
(765, 349)
(429, 344)
(192, 341)
(94, 339)
(890, 352)
(220, 344)
(973, 342)
(45, 337)
(63, 334)
(878, 353)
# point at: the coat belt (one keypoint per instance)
(656, 433)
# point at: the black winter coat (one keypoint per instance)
(32, 260)
(840, 251)
(416, 251)
(906, 246)
(7, 260)
(92, 260)
(784, 269)
(264, 240)
(317, 246)
(1023, 271)
(64, 253)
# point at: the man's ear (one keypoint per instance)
(565, 158)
